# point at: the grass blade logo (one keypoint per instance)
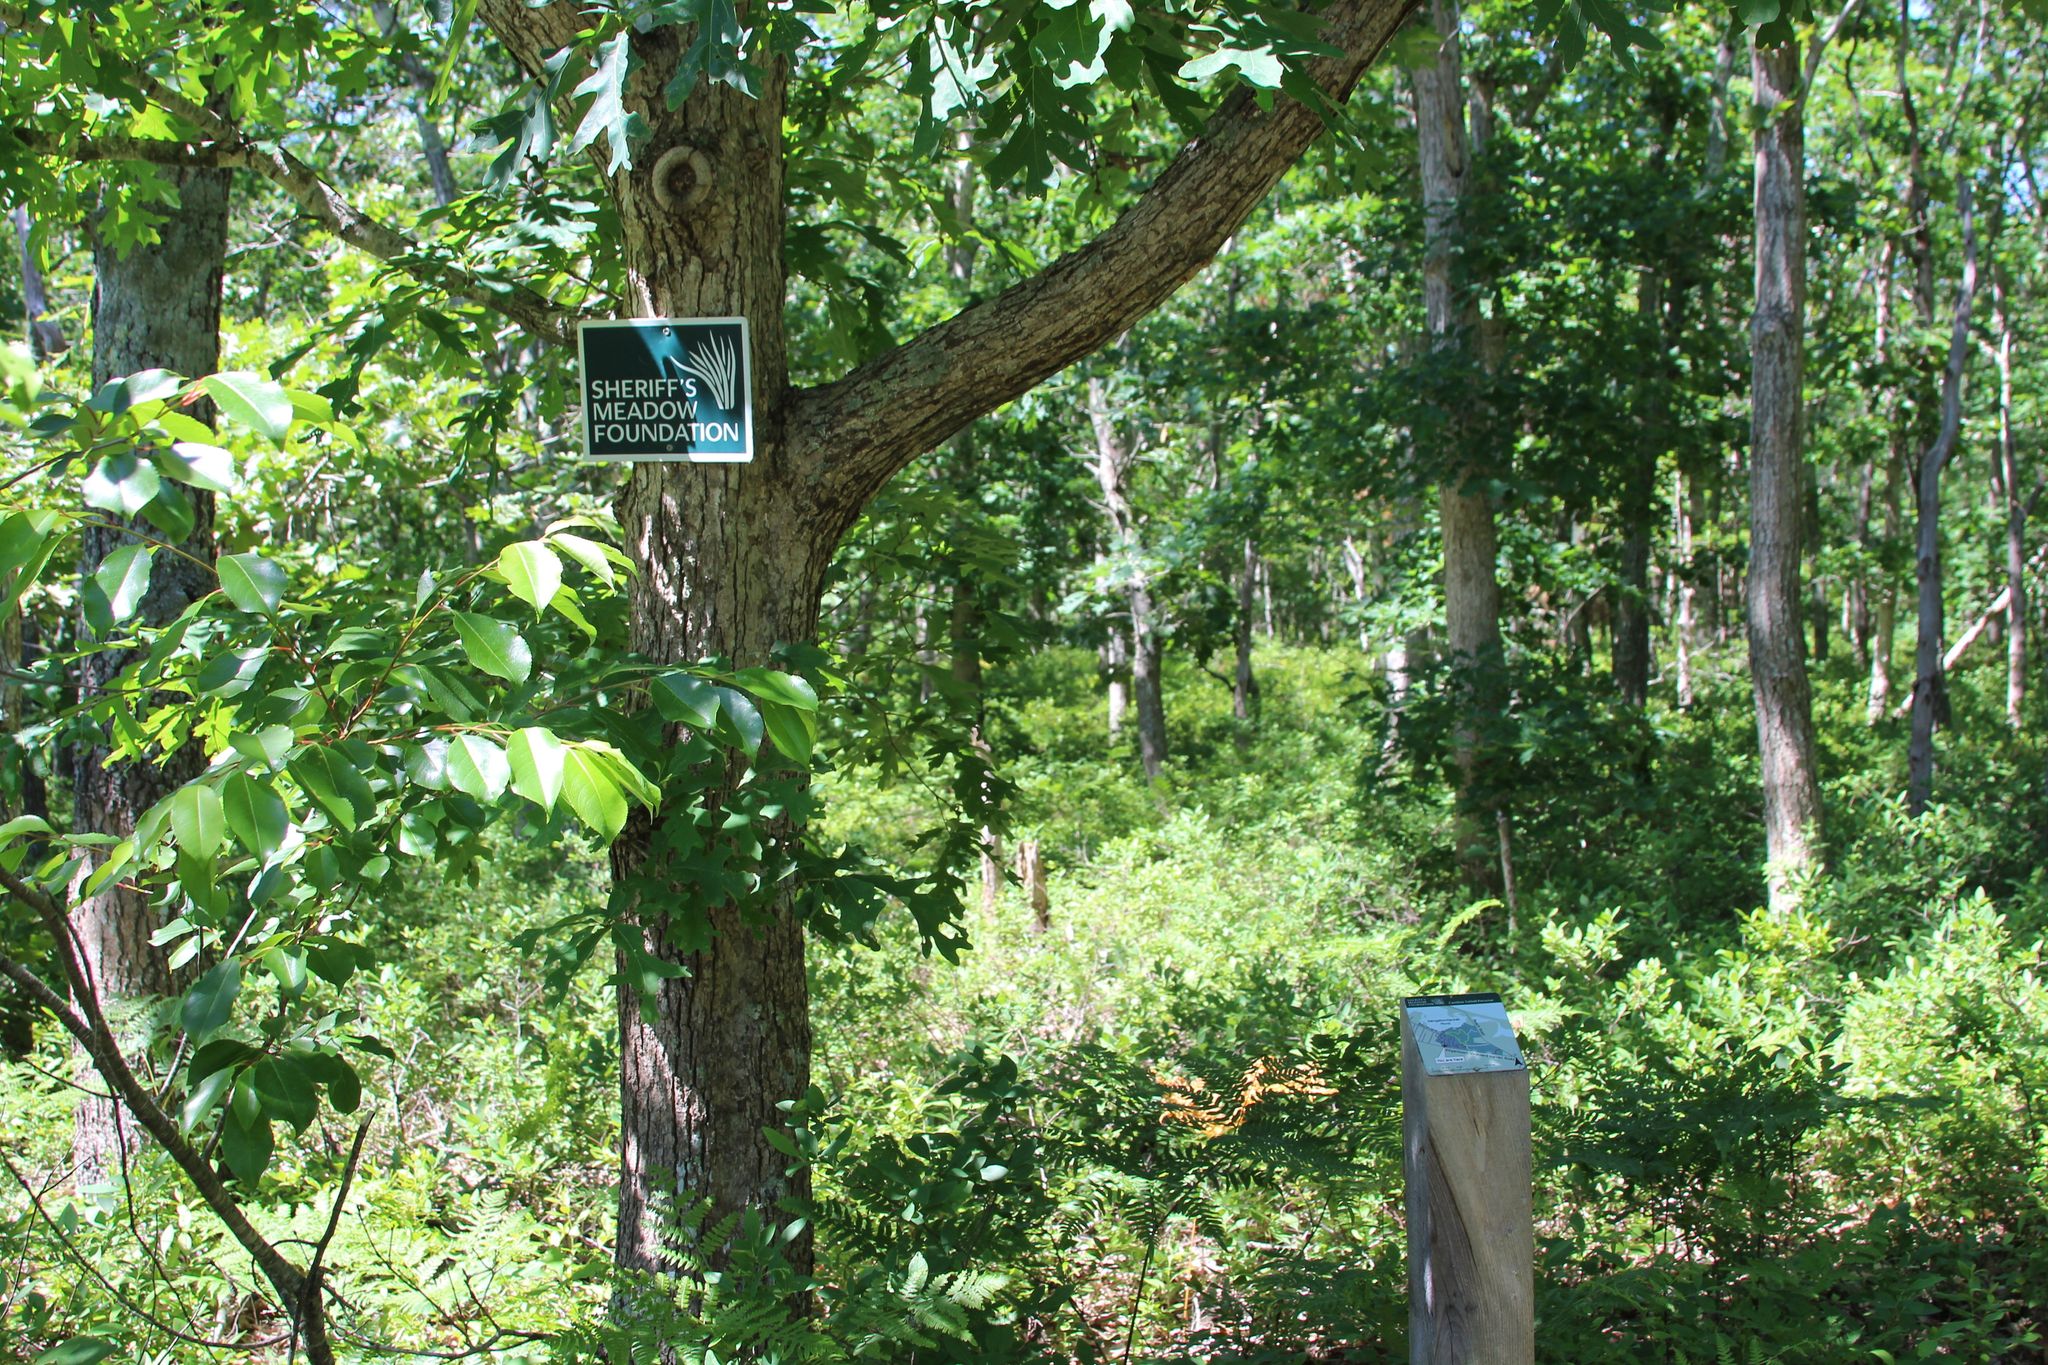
(716, 363)
(667, 389)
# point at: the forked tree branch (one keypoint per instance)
(856, 433)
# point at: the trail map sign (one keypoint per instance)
(1460, 1034)
(667, 389)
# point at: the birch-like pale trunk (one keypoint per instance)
(1930, 683)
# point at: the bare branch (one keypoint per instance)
(863, 428)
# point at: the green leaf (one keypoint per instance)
(536, 757)
(198, 820)
(494, 647)
(1259, 67)
(332, 780)
(200, 465)
(211, 999)
(286, 1091)
(268, 745)
(794, 732)
(144, 386)
(255, 813)
(203, 1097)
(589, 554)
(607, 115)
(532, 571)
(478, 767)
(744, 726)
(170, 511)
(78, 1351)
(593, 791)
(247, 1147)
(686, 699)
(123, 483)
(252, 401)
(115, 592)
(252, 582)
(770, 685)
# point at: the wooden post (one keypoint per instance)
(1465, 1158)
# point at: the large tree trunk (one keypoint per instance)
(158, 306)
(732, 564)
(1930, 687)
(732, 557)
(1784, 702)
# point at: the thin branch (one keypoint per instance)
(1820, 48)
(85, 1263)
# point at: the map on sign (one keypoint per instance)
(1461, 1034)
(667, 389)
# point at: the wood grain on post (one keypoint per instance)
(1471, 1248)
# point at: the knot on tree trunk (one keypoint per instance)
(682, 177)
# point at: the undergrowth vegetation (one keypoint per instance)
(1166, 1124)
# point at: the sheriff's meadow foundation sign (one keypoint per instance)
(667, 389)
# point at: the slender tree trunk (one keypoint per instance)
(45, 337)
(1116, 668)
(1784, 703)
(2015, 517)
(1688, 588)
(1464, 500)
(1809, 538)
(1631, 659)
(157, 306)
(1031, 872)
(1244, 689)
(1930, 686)
(1113, 457)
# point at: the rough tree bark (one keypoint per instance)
(733, 557)
(1930, 686)
(157, 307)
(1784, 699)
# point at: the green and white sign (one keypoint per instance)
(667, 389)
(1460, 1034)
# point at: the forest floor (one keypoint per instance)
(1167, 1126)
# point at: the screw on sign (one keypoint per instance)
(667, 389)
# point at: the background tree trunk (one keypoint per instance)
(1930, 685)
(45, 337)
(2015, 516)
(157, 307)
(1784, 700)
(1464, 501)
(1113, 458)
